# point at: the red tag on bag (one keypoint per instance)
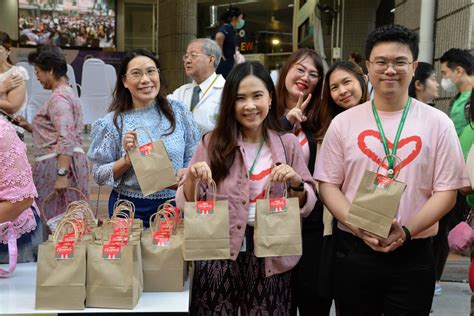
(80, 227)
(145, 150)
(173, 211)
(121, 226)
(119, 238)
(205, 207)
(69, 237)
(161, 239)
(64, 250)
(164, 227)
(382, 182)
(112, 251)
(277, 205)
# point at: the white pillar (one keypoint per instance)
(427, 17)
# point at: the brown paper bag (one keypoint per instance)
(61, 274)
(152, 166)
(375, 203)
(162, 254)
(470, 166)
(277, 227)
(114, 273)
(206, 229)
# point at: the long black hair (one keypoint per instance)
(223, 140)
(122, 98)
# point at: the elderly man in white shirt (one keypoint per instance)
(203, 95)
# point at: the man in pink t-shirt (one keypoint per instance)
(392, 276)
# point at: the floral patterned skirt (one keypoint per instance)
(44, 176)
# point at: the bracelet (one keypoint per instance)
(407, 233)
(127, 161)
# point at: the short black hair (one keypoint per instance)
(52, 60)
(456, 57)
(392, 33)
(41, 49)
(230, 12)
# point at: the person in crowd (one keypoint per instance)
(232, 20)
(246, 144)
(203, 96)
(424, 86)
(60, 160)
(393, 275)
(456, 67)
(344, 87)
(238, 57)
(12, 80)
(356, 59)
(140, 101)
(17, 194)
(299, 92)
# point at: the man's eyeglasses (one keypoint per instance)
(193, 56)
(400, 66)
(138, 74)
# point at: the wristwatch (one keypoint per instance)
(62, 172)
(299, 188)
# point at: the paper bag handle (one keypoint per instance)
(50, 195)
(146, 132)
(270, 184)
(61, 226)
(162, 214)
(124, 205)
(196, 190)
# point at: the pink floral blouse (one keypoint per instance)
(57, 127)
(16, 180)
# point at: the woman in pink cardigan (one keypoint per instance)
(242, 155)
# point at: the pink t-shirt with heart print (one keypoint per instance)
(429, 149)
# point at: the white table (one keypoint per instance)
(17, 296)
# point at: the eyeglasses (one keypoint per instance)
(193, 56)
(138, 74)
(312, 75)
(400, 66)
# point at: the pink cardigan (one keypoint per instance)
(235, 188)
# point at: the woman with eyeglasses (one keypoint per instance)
(140, 101)
(299, 93)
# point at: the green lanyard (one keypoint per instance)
(256, 157)
(391, 156)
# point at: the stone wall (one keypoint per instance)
(177, 26)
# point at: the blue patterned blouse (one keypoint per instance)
(106, 148)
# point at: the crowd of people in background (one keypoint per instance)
(317, 131)
(68, 30)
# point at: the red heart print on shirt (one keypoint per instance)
(361, 141)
